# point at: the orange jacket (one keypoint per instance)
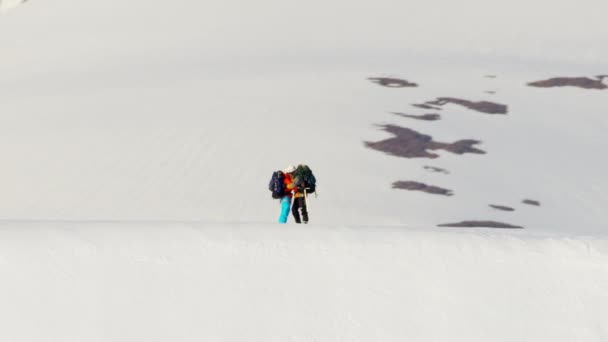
(290, 187)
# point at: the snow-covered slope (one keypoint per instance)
(138, 138)
(185, 282)
(142, 111)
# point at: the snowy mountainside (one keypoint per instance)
(138, 137)
(181, 115)
(187, 137)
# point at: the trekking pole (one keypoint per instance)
(306, 198)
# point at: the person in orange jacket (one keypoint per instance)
(287, 196)
(293, 191)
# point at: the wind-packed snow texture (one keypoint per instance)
(185, 281)
(137, 139)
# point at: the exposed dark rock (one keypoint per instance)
(581, 82)
(490, 76)
(392, 82)
(416, 186)
(425, 106)
(436, 169)
(408, 143)
(481, 106)
(480, 224)
(490, 92)
(501, 207)
(531, 202)
(425, 117)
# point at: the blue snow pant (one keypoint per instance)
(285, 204)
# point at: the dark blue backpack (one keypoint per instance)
(277, 185)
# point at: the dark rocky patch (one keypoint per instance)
(581, 82)
(425, 117)
(408, 143)
(436, 169)
(425, 106)
(490, 92)
(480, 224)
(392, 82)
(501, 207)
(531, 202)
(490, 76)
(481, 106)
(416, 186)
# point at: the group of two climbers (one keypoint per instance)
(292, 186)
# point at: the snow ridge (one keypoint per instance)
(172, 281)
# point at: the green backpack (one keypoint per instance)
(304, 178)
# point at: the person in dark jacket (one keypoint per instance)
(299, 207)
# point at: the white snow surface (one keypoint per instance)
(138, 137)
(5, 5)
(153, 281)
